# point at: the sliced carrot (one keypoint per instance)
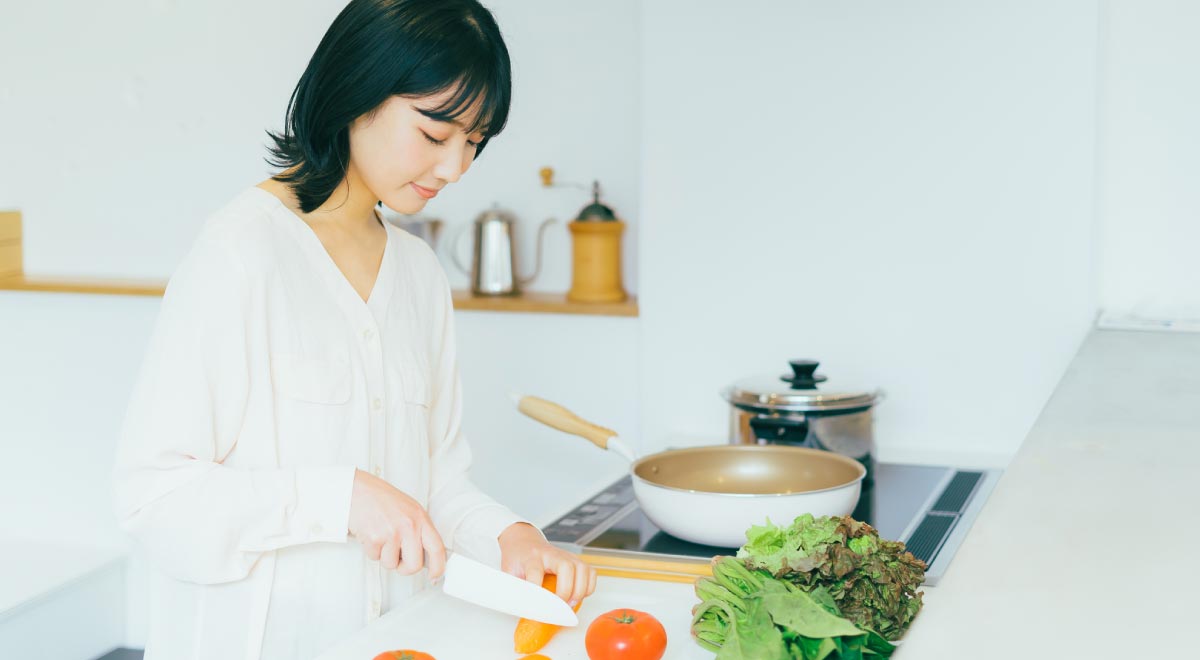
(532, 635)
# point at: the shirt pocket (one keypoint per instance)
(415, 379)
(315, 379)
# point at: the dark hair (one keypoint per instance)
(376, 49)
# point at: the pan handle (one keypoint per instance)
(553, 415)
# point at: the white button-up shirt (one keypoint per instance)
(268, 380)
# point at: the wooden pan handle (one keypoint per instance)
(554, 415)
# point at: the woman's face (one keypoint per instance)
(404, 157)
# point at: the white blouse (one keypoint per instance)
(267, 381)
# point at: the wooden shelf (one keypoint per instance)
(12, 278)
(541, 303)
(115, 287)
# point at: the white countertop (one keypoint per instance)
(434, 623)
(1086, 547)
(35, 569)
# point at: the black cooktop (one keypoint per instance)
(930, 508)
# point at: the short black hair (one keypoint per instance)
(376, 49)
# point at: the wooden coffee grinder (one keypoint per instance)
(596, 250)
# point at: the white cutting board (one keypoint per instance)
(450, 629)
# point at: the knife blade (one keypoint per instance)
(469, 580)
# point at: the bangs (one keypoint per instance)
(473, 73)
(474, 106)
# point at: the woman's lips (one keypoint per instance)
(427, 193)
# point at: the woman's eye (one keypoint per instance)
(474, 144)
(433, 140)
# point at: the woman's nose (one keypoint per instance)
(450, 168)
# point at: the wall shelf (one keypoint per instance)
(544, 303)
(115, 287)
(13, 278)
(533, 302)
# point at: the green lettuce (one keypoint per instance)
(749, 615)
(874, 582)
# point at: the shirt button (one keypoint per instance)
(377, 403)
(316, 528)
(378, 471)
(368, 334)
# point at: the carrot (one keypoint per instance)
(532, 635)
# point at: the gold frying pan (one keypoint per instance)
(712, 495)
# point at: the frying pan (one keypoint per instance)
(712, 495)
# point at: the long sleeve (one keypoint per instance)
(200, 520)
(466, 517)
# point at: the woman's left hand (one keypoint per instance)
(525, 553)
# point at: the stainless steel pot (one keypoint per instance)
(802, 409)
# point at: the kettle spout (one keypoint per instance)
(537, 264)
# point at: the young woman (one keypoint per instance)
(292, 460)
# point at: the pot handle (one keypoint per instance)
(780, 429)
(553, 415)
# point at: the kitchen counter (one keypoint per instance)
(1085, 548)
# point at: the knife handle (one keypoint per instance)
(553, 415)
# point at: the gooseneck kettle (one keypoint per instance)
(493, 270)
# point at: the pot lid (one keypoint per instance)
(803, 390)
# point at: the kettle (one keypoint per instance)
(493, 269)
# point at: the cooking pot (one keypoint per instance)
(712, 495)
(802, 409)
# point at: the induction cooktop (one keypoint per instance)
(930, 508)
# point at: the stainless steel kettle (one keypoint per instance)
(493, 270)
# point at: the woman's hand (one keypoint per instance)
(393, 528)
(525, 553)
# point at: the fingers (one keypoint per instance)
(435, 551)
(373, 550)
(583, 577)
(565, 570)
(389, 556)
(515, 568)
(575, 579)
(412, 553)
(534, 572)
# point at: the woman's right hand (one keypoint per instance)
(393, 528)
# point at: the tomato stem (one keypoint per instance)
(625, 617)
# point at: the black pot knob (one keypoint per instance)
(804, 375)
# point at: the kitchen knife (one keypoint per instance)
(485, 586)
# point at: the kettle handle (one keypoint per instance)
(537, 265)
(455, 248)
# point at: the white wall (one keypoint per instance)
(901, 190)
(1150, 161)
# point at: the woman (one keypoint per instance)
(292, 459)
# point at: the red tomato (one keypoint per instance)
(626, 635)
(403, 654)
